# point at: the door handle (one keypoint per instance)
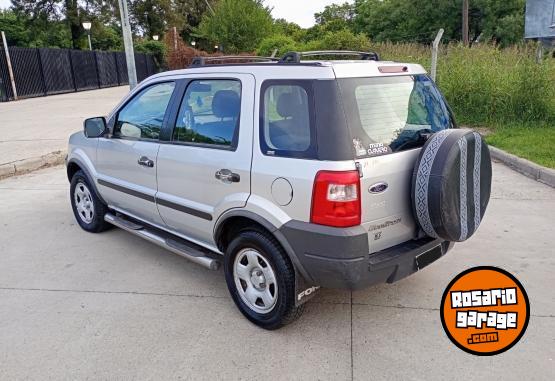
(228, 177)
(145, 162)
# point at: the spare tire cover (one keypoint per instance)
(451, 184)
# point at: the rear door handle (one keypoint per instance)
(145, 162)
(228, 177)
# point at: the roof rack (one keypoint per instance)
(204, 61)
(295, 57)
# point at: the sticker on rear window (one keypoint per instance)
(359, 147)
(374, 149)
(378, 149)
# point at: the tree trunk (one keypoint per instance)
(72, 17)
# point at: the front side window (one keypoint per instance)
(209, 113)
(143, 116)
(285, 120)
(392, 114)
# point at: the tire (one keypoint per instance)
(451, 184)
(259, 254)
(87, 207)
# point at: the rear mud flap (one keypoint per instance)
(304, 291)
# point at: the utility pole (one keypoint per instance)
(128, 43)
(465, 33)
(9, 61)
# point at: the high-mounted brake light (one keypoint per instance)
(336, 199)
(393, 69)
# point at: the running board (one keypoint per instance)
(164, 240)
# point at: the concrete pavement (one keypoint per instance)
(60, 116)
(75, 305)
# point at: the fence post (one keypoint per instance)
(97, 68)
(539, 53)
(42, 73)
(117, 68)
(435, 48)
(9, 62)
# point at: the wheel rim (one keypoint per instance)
(83, 203)
(255, 281)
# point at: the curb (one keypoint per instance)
(526, 167)
(24, 166)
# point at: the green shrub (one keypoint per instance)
(156, 48)
(282, 43)
(340, 40)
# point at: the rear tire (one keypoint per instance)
(261, 280)
(87, 207)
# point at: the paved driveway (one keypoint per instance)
(112, 306)
(49, 121)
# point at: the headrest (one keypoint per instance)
(288, 105)
(226, 104)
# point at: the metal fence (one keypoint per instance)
(43, 71)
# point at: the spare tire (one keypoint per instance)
(451, 184)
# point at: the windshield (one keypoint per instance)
(392, 114)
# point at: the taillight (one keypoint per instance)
(336, 199)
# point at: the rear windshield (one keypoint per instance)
(392, 114)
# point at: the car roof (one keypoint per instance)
(303, 70)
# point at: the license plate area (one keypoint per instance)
(428, 257)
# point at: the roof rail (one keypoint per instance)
(203, 61)
(295, 57)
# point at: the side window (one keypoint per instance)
(143, 116)
(209, 113)
(285, 120)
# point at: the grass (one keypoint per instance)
(531, 141)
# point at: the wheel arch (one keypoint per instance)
(73, 166)
(236, 220)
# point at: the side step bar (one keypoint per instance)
(175, 245)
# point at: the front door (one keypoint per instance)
(126, 162)
(205, 170)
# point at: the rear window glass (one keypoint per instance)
(286, 119)
(392, 114)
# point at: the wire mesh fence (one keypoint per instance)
(44, 71)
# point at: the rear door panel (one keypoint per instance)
(190, 197)
(388, 216)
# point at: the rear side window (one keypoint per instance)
(209, 113)
(392, 114)
(286, 119)
(143, 116)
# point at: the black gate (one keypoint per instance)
(43, 71)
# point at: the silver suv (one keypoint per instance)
(296, 174)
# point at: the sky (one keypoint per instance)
(298, 11)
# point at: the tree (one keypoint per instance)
(419, 20)
(336, 12)
(153, 16)
(237, 25)
(190, 14)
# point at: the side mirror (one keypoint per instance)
(95, 127)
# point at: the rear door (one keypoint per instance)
(205, 169)
(390, 119)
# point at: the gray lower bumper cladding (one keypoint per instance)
(338, 258)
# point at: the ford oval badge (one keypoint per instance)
(378, 188)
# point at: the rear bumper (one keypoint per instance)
(338, 258)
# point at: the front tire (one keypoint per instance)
(87, 207)
(261, 280)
